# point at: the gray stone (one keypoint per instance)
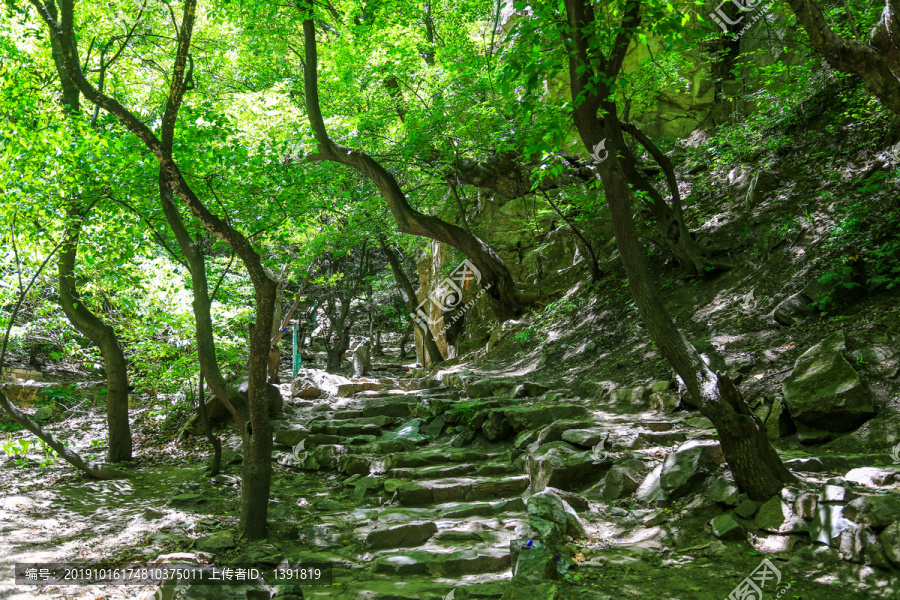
(650, 491)
(547, 532)
(890, 542)
(273, 397)
(587, 438)
(486, 388)
(824, 391)
(665, 402)
(463, 438)
(622, 479)
(877, 511)
(522, 418)
(362, 359)
(778, 423)
(305, 387)
(561, 465)
(435, 428)
(806, 505)
(828, 524)
(726, 528)
(548, 505)
(529, 390)
(778, 516)
(535, 563)
(873, 476)
(794, 309)
(407, 535)
(723, 490)
(185, 500)
(43, 414)
(152, 513)
(690, 464)
(661, 386)
(554, 431)
(496, 427)
(836, 493)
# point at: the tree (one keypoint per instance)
(505, 297)
(877, 63)
(253, 422)
(756, 466)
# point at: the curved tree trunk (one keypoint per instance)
(504, 296)
(756, 466)
(103, 336)
(409, 296)
(256, 430)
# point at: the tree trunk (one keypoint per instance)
(216, 443)
(756, 466)
(409, 296)
(103, 336)
(274, 359)
(505, 299)
(878, 63)
(405, 338)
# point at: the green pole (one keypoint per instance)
(296, 353)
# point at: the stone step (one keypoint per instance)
(462, 510)
(485, 469)
(470, 561)
(427, 458)
(418, 493)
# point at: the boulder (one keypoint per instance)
(778, 423)
(304, 387)
(824, 391)
(829, 523)
(873, 476)
(486, 388)
(548, 505)
(723, 490)
(622, 479)
(777, 516)
(554, 431)
(877, 511)
(533, 417)
(691, 463)
(534, 563)
(650, 492)
(890, 542)
(665, 402)
(587, 438)
(794, 309)
(496, 427)
(216, 543)
(407, 535)
(726, 528)
(362, 359)
(561, 465)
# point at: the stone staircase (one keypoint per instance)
(429, 518)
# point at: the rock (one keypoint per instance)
(877, 511)
(230, 457)
(723, 490)
(407, 535)
(362, 359)
(408, 431)
(794, 309)
(185, 500)
(305, 387)
(496, 427)
(828, 524)
(778, 423)
(292, 436)
(726, 528)
(741, 363)
(486, 388)
(216, 543)
(661, 386)
(836, 493)
(367, 485)
(548, 505)
(747, 508)
(654, 518)
(152, 513)
(535, 563)
(635, 396)
(547, 532)
(622, 479)
(665, 402)
(576, 501)
(859, 544)
(276, 402)
(890, 542)
(824, 391)
(873, 476)
(587, 438)
(434, 429)
(690, 464)
(529, 390)
(554, 431)
(522, 418)
(650, 492)
(463, 438)
(806, 505)
(778, 516)
(561, 465)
